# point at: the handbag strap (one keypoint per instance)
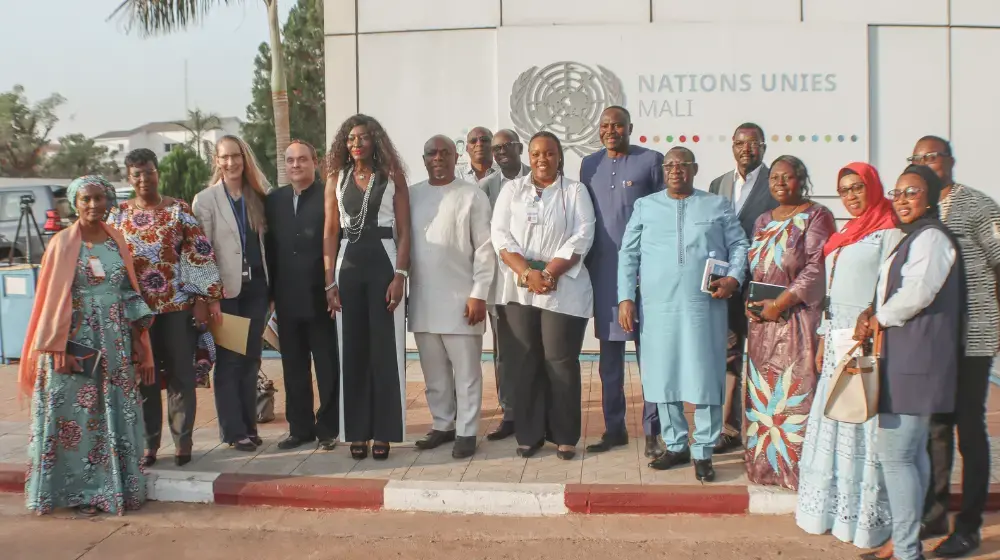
(877, 344)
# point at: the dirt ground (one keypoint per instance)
(202, 532)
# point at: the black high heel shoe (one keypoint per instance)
(380, 451)
(359, 451)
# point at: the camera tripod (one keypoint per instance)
(27, 220)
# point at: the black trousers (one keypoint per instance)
(236, 374)
(303, 340)
(504, 381)
(973, 443)
(738, 326)
(373, 409)
(544, 359)
(174, 340)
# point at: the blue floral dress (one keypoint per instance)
(840, 486)
(86, 432)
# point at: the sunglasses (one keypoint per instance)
(910, 193)
(506, 146)
(480, 140)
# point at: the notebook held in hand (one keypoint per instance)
(760, 291)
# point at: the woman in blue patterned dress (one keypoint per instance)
(86, 433)
(839, 481)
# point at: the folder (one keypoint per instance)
(233, 333)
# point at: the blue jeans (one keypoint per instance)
(901, 449)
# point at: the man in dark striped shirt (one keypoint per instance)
(974, 218)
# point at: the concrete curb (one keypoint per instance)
(483, 498)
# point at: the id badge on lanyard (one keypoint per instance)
(242, 226)
(96, 268)
(532, 211)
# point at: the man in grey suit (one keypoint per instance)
(506, 149)
(747, 189)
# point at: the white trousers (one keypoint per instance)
(453, 378)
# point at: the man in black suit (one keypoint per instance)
(295, 215)
(747, 189)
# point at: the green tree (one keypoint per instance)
(198, 123)
(24, 131)
(152, 17)
(79, 155)
(183, 173)
(304, 64)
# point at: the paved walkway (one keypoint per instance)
(493, 462)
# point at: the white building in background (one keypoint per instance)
(829, 81)
(161, 137)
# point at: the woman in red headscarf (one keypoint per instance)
(839, 486)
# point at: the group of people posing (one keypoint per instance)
(350, 260)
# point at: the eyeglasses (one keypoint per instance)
(857, 188)
(146, 174)
(752, 144)
(924, 159)
(506, 146)
(685, 165)
(910, 193)
(230, 157)
(480, 140)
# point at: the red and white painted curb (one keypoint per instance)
(485, 498)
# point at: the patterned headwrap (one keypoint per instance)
(80, 182)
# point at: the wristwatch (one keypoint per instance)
(403, 273)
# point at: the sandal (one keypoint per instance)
(89, 511)
(359, 451)
(380, 451)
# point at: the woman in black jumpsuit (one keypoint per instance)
(367, 250)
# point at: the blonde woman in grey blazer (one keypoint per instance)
(231, 211)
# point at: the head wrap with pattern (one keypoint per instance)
(86, 180)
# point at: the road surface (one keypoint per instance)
(203, 532)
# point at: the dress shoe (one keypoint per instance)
(727, 443)
(957, 545)
(608, 441)
(653, 449)
(934, 529)
(670, 459)
(503, 431)
(328, 444)
(256, 440)
(703, 470)
(291, 442)
(435, 438)
(465, 447)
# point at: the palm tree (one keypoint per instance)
(197, 124)
(152, 17)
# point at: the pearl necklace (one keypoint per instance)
(356, 224)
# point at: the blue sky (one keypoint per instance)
(117, 81)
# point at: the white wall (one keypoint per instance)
(431, 66)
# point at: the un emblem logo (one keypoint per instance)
(566, 99)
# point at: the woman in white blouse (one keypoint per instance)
(543, 226)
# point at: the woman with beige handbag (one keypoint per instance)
(839, 482)
(919, 302)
